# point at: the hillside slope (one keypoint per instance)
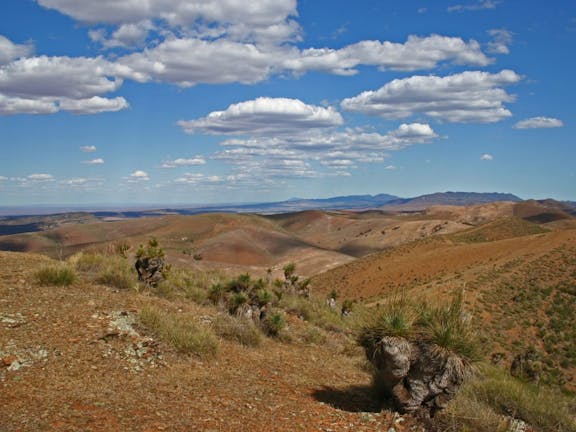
(72, 359)
(521, 286)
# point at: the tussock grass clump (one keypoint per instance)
(237, 329)
(111, 270)
(447, 327)
(89, 262)
(398, 317)
(493, 393)
(117, 277)
(192, 285)
(314, 311)
(450, 327)
(180, 331)
(56, 275)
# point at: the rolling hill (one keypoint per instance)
(519, 281)
(515, 262)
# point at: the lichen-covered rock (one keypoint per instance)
(416, 375)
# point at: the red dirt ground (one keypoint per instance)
(75, 376)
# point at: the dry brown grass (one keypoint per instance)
(180, 330)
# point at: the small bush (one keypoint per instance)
(237, 329)
(217, 293)
(274, 323)
(57, 275)
(151, 263)
(180, 331)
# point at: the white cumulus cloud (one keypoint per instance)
(196, 179)
(293, 156)
(88, 149)
(476, 6)
(138, 176)
(500, 42)
(93, 105)
(40, 177)
(471, 96)
(264, 116)
(45, 85)
(184, 162)
(486, 157)
(189, 61)
(97, 161)
(539, 122)
(10, 51)
(416, 53)
(262, 20)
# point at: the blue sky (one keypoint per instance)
(188, 101)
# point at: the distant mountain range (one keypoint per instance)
(348, 202)
(13, 223)
(448, 198)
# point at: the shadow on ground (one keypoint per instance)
(351, 398)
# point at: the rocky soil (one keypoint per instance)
(74, 359)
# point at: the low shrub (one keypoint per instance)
(151, 263)
(56, 275)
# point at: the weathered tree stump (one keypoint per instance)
(416, 376)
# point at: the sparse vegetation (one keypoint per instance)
(526, 303)
(55, 274)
